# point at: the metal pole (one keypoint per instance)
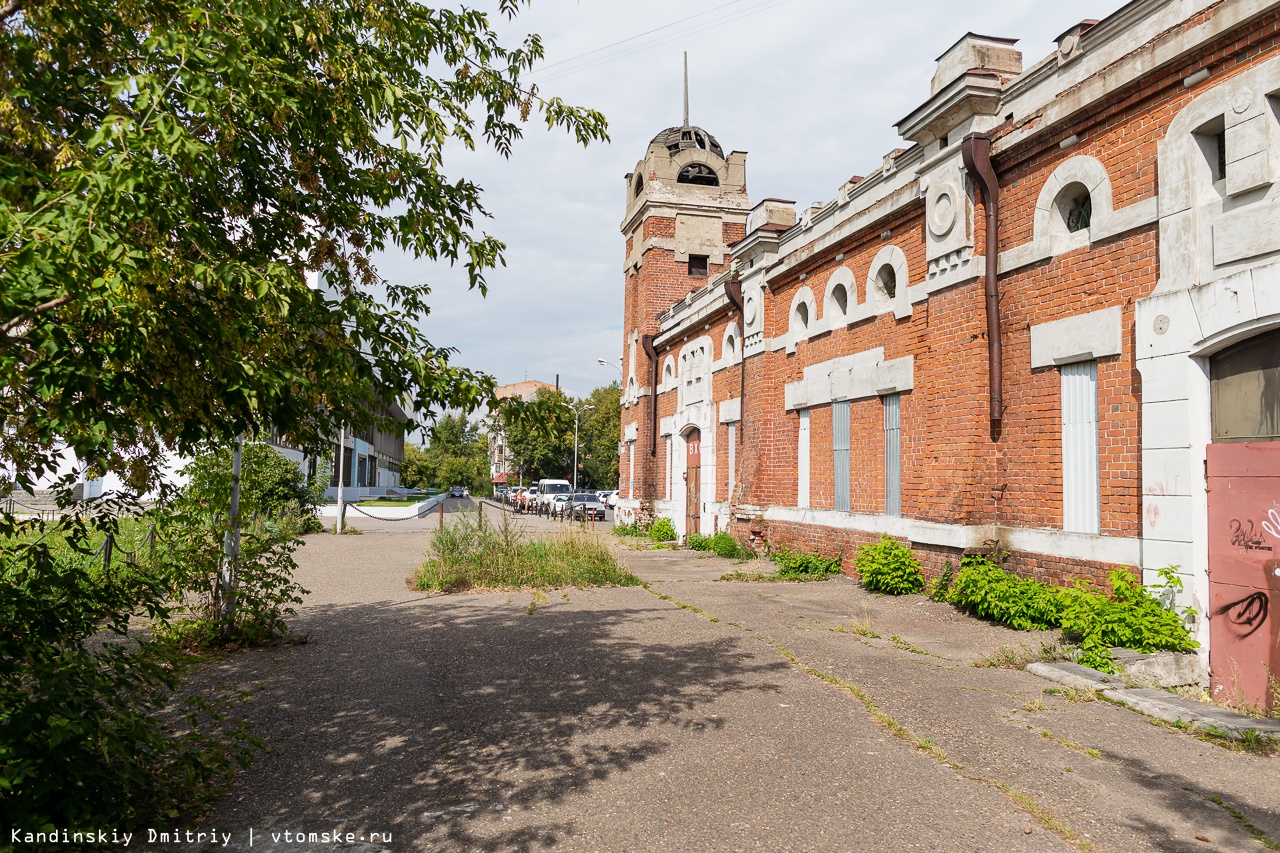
(342, 458)
(575, 452)
(231, 546)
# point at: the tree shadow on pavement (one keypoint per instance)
(454, 721)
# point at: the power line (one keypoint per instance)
(641, 35)
(667, 39)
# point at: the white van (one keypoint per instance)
(548, 489)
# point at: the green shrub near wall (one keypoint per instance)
(889, 566)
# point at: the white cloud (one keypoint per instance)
(810, 88)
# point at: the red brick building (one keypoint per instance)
(1046, 325)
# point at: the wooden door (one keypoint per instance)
(693, 482)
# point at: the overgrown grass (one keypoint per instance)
(1017, 657)
(473, 554)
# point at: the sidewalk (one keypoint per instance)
(697, 715)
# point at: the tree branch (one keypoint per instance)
(8, 10)
(8, 327)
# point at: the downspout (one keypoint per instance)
(733, 292)
(975, 150)
(646, 341)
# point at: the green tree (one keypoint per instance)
(269, 481)
(459, 453)
(418, 469)
(169, 170)
(540, 434)
(598, 436)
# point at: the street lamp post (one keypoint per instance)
(576, 414)
(612, 364)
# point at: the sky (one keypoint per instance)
(809, 88)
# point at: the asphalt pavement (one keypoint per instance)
(693, 715)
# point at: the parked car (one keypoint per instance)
(548, 489)
(558, 506)
(457, 492)
(587, 507)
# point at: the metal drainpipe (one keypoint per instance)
(733, 292)
(646, 341)
(975, 150)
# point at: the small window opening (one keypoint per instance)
(1212, 138)
(639, 185)
(942, 141)
(698, 266)
(1076, 206)
(802, 316)
(888, 281)
(700, 174)
(730, 346)
(841, 297)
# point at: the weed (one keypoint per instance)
(662, 530)
(1073, 694)
(538, 598)
(907, 647)
(692, 608)
(1033, 706)
(862, 628)
(1017, 657)
(1254, 832)
(1044, 817)
(940, 587)
(1132, 617)
(1089, 751)
(468, 554)
(889, 566)
(797, 565)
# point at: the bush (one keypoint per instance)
(986, 590)
(724, 545)
(89, 735)
(269, 483)
(889, 566)
(1130, 618)
(940, 588)
(662, 530)
(799, 565)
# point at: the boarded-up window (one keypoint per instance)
(802, 461)
(892, 454)
(840, 450)
(1244, 386)
(1080, 447)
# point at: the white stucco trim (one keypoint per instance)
(1082, 337)
(1118, 550)
(796, 331)
(850, 377)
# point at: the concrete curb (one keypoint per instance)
(1153, 702)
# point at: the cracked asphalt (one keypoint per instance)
(755, 717)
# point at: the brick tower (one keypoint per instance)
(686, 204)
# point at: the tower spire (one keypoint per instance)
(686, 88)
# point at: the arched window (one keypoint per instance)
(700, 174)
(802, 317)
(1075, 207)
(639, 185)
(668, 374)
(887, 280)
(730, 347)
(840, 296)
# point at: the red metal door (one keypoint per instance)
(693, 482)
(1244, 572)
